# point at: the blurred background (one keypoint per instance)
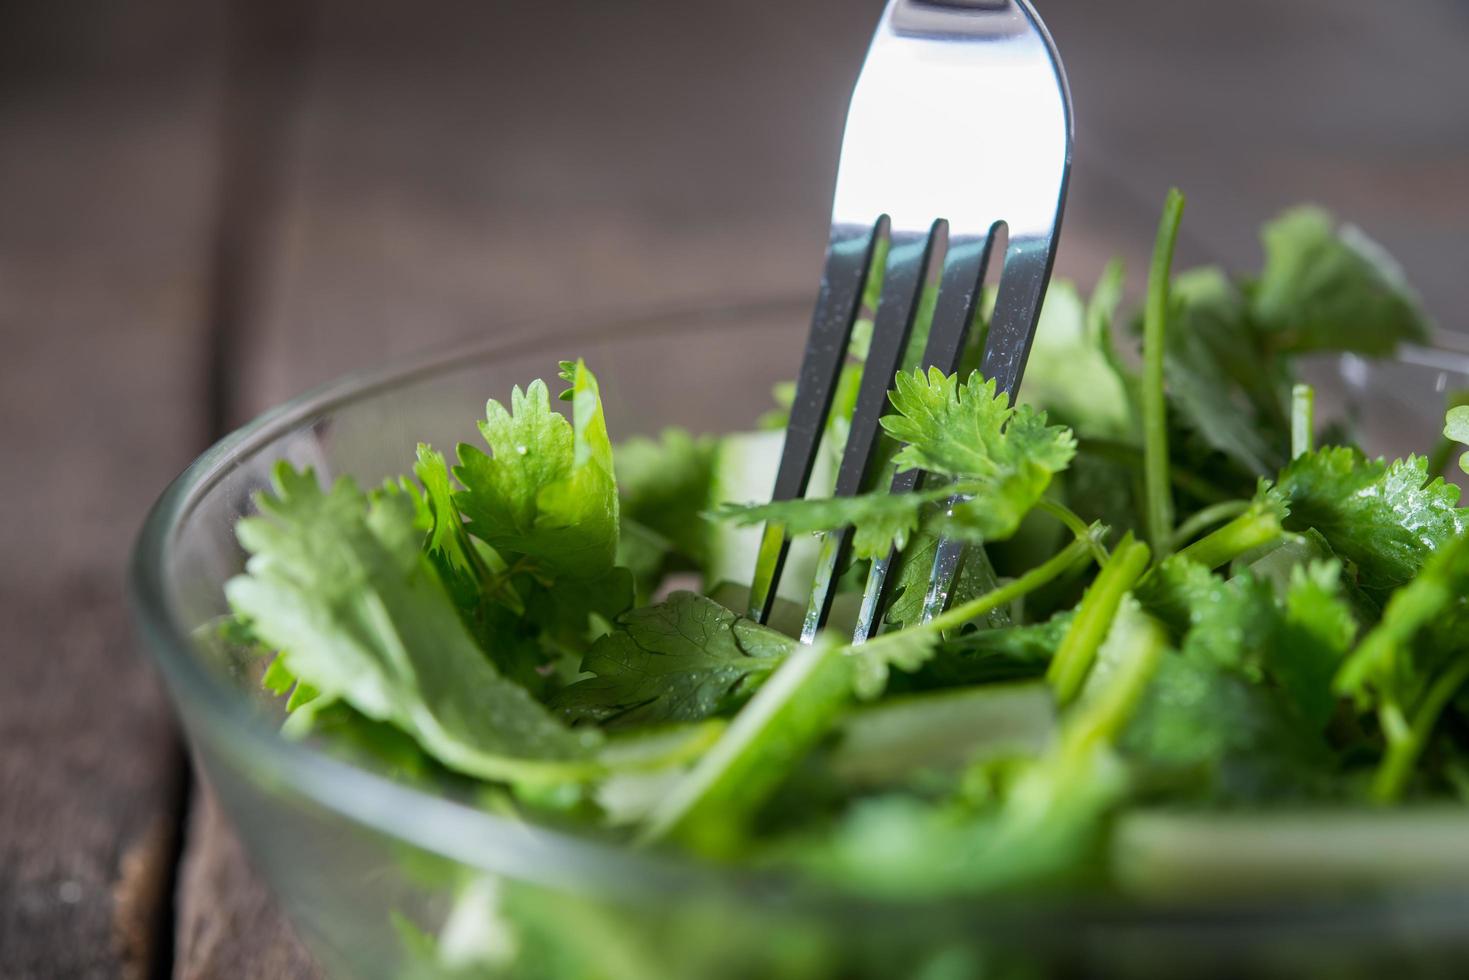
(208, 205)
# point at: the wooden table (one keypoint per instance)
(207, 206)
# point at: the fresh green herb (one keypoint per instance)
(519, 629)
(684, 659)
(1001, 457)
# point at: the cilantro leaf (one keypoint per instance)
(909, 649)
(340, 585)
(664, 485)
(1313, 639)
(1208, 732)
(546, 490)
(1456, 428)
(914, 571)
(969, 432)
(1293, 638)
(1047, 826)
(1237, 714)
(1324, 288)
(683, 659)
(1218, 378)
(506, 610)
(1002, 457)
(708, 810)
(463, 569)
(987, 656)
(1388, 664)
(1385, 518)
(1073, 372)
(883, 520)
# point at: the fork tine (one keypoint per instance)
(908, 259)
(848, 258)
(1028, 264)
(965, 263)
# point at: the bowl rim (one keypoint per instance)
(562, 859)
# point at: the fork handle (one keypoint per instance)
(964, 4)
(958, 18)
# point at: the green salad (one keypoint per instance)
(1183, 593)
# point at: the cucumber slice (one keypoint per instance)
(744, 471)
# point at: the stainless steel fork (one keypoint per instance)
(960, 124)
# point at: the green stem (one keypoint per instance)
(1154, 405)
(1076, 551)
(1094, 618)
(1101, 720)
(1075, 524)
(1248, 531)
(1405, 744)
(1302, 419)
(707, 810)
(1208, 517)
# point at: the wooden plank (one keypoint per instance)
(1256, 105)
(104, 211)
(228, 924)
(494, 162)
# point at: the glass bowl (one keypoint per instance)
(386, 880)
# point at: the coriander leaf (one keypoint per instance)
(914, 572)
(277, 679)
(987, 656)
(883, 520)
(463, 569)
(1236, 714)
(1003, 457)
(708, 810)
(1224, 623)
(1293, 637)
(1388, 665)
(1312, 639)
(684, 659)
(505, 620)
(664, 485)
(338, 582)
(953, 430)
(968, 431)
(568, 609)
(1072, 372)
(546, 490)
(643, 552)
(1208, 732)
(1222, 386)
(1385, 518)
(1456, 428)
(1048, 825)
(908, 649)
(1327, 289)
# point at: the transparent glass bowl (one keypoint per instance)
(385, 880)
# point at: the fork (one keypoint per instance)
(959, 127)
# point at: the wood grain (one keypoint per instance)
(228, 923)
(439, 169)
(104, 207)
